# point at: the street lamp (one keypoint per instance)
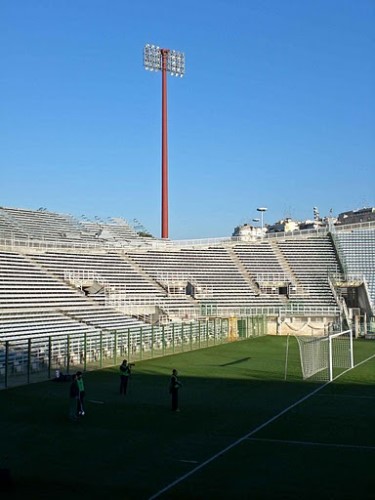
(173, 62)
(262, 210)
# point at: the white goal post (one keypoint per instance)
(324, 357)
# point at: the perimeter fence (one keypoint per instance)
(25, 360)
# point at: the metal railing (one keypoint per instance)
(25, 360)
(295, 308)
(126, 244)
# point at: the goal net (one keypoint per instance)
(323, 358)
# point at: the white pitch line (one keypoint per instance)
(249, 434)
(347, 396)
(311, 443)
(235, 443)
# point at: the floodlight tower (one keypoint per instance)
(262, 210)
(173, 62)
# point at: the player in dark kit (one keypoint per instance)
(125, 372)
(81, 394)
(73, 397)
(174, 386)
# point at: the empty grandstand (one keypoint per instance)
(70, 279)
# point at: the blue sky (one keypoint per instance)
(277, 109)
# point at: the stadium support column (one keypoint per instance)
(164, 149)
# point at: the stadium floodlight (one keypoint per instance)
(262, 210)
(173, 62)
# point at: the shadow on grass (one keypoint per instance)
(134, 446)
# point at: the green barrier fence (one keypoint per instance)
(27, 360)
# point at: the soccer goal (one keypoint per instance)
(323, 358)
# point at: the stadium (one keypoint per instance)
(83, 280)
(81, 295)
(187, 366)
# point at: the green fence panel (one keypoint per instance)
(35, 359)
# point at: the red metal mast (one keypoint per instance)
(173, 62)
(164, 148)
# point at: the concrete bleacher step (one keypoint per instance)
(249, 279)
(142, 272)
(284, 263)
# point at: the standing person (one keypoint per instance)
(125, 373)
(73, 397)
(81, 394)
(174, 386)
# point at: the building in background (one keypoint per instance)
(357, 216)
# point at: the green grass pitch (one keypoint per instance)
(239, 433)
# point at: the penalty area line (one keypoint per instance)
(312, 443)
(345, 396)
(235, 443)
(251, 433)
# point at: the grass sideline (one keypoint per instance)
(135, 446)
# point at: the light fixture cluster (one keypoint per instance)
(176, 63)
(152, 59)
